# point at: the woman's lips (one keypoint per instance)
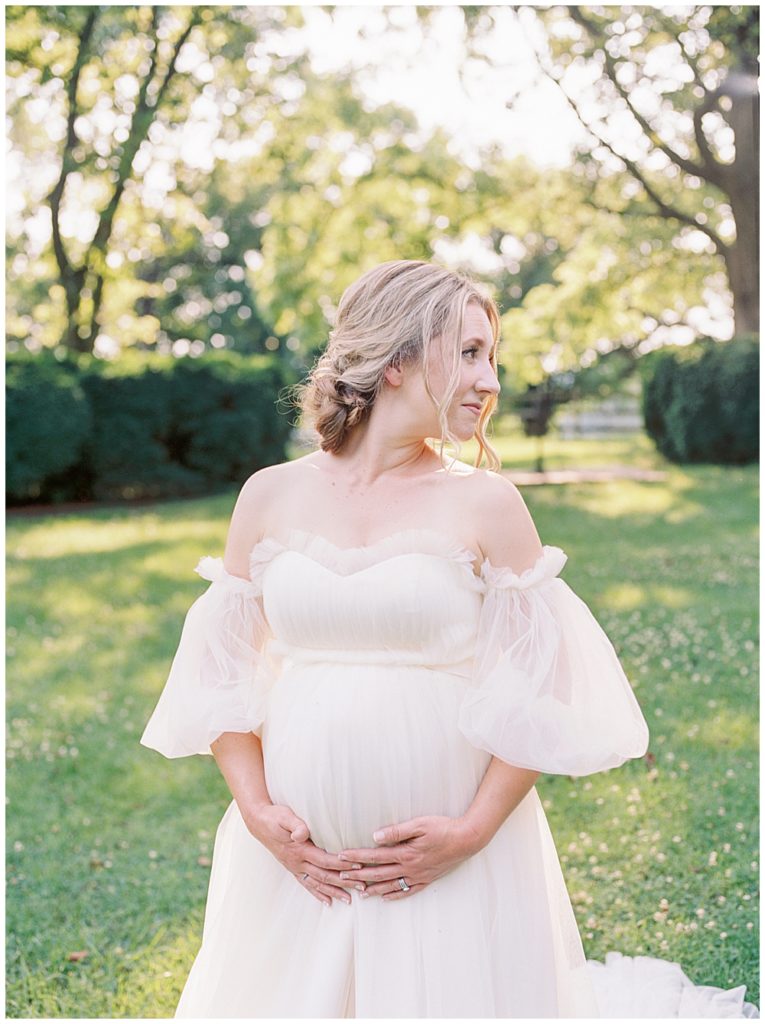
(474, 408)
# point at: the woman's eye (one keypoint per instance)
(470, 351)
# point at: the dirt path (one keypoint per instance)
(526, 478)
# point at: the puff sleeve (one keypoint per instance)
(220, 676)
(549, 692)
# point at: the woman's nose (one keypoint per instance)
(489, 382)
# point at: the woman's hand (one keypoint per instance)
(419, 851)
(287, 837)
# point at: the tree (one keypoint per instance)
(300, 185)
(85, 38)
(687, 82)
(124, 82)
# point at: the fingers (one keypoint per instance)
(300, 832)
(333, 878)
(385, 855)
(383, 873)
(315, 855)
(387, 839)
(391, 886)
(400, 894)
(323, 891)
(399, 833)
(286, 819)
(389, 889)
(296, 827)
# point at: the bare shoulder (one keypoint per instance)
(506, 532)
(258, 498)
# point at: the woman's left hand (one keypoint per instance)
(419, 851)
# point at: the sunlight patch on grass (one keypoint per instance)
(731, 729)
(673, 597)
(622, 597)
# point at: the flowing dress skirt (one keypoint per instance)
(351, 748)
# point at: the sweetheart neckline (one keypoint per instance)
(377, 564)
(549, 563)
(449, 549)
(451, 542)
(551, 556)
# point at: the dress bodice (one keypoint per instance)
(541, 685)
(412, 598)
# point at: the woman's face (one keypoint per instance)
(477, 377)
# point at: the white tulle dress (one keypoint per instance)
(381, 679)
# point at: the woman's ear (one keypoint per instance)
(394, 375)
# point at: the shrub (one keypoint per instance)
(160, 427)
(701, 401)
(184, 426)
(48, 420)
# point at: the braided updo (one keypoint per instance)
(389, 317)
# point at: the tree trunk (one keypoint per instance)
(742, 184)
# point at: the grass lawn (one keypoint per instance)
(109, 844)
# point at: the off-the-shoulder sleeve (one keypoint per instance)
(549, 692)
(220, 676)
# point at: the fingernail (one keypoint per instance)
(378, 836)
(346, 899)
(363, 895)
(361, 887)
(344, 874)
(356, 867)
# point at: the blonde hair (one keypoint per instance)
(390, 316)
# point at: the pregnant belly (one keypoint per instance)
(351, 748)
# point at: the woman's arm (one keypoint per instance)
(502, 789)
(239, 756)
(240, 759)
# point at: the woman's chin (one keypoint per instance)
(463, 433)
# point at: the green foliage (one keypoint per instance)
(184, 426)
(299, 182)
(48, 419)
(701, 402)
(160, 426)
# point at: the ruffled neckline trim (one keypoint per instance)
(346, 561)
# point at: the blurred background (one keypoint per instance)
(190, 189)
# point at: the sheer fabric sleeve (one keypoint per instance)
(549, 692)
(220, 676)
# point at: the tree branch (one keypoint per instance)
(666, 209)
(689, 166)
(67, 162)
(714, 171)
(195, 19)
(660, 320)
(670, 28)
(143, 116)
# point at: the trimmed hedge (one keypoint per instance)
(701, 401)
(47, 420)
(145, 427)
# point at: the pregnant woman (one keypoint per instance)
(385, 660)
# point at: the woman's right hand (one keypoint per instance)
(288, 839)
